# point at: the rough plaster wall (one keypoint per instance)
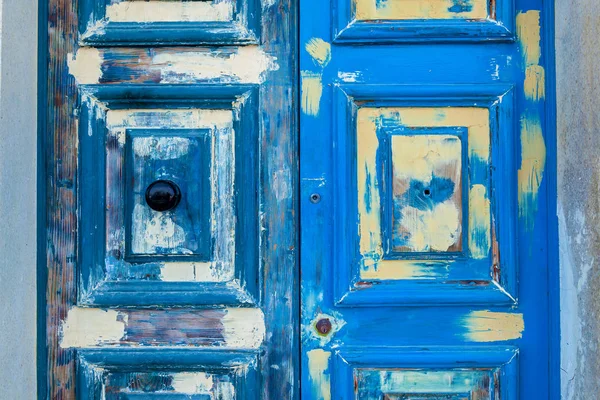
(18, 22)
(578, 93)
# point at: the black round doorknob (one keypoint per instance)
(163, 195)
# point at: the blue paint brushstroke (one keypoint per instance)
(461, 6)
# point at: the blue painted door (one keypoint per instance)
(168, 131)
(428, 243)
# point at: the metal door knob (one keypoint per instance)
(163, 195)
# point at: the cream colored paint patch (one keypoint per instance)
(248, 64)
(318, 372)
(319, 50)
(193, 272)
(91, 327)
(479, 222)
(418, 9)
(312, 90)
(432, 230)
(405, 270)
(86, 65)
(244, 328)
(533, 162)
(534, 85)
(488, 326)
(169, 11)
(153, 230)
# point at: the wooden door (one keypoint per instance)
(427, 184)
(169, 142)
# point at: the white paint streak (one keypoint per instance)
(90, 327)
(154, 230)
(85, 65)
(160, 118)
(281, 184)
(244, 328)
(161, 148)
(169, 11)
(349, 77)
(248, 64)
(192, 382)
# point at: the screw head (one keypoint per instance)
(315, 198)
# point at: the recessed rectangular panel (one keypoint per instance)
(123, 374)
(427, 193)
(179, 158)
(385, 21)
(424, 183)
(121, 22)
(426, 384)
(199, 249)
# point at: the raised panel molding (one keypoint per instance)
(215, 257)
(130, 374)
(444, 373)
(480, 266)
(390, 22)
(106, 22)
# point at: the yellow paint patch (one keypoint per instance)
(404, 269)
(479, 222)
(533, 161)
(418, 9)
(312, 90)
(367, 144)
(86, 65)
(528, 32)
(318, 366)
(488, 326)
(319, 50)
(535, 83)
(169, 11)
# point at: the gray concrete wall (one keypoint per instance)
(578, 93)
(18, 99)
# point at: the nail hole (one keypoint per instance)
(315, 198)
(427, 192)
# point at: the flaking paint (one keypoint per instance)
(319, 373)
(312, 90)
(405, 270)
(319, 50)
(86, 65)
(92, 327)
(476, 120)
(479, 222)
(169, 11)
(533, 162)
(490, 326)
(244, 328)
(418, 9)
(248, 64)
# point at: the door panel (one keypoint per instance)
(425, 227)
(171, 172)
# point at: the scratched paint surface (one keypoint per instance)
(427, 149)
(426, 190)
(170, 304)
